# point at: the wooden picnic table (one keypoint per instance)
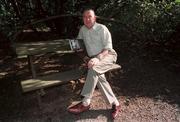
(24, 49)
(30, 49)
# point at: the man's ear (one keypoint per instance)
(95, 18)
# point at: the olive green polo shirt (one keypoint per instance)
(96, 38)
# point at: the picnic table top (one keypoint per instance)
(33, 48)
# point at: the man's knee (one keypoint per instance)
(92, 69)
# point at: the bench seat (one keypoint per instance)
(51, 80)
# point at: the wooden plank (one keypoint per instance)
(50, 80)
(31, 66)
(42, 47)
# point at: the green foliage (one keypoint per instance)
(10, 23)
(6, 19)
(141, 21)
(177, 1)
(150, 19)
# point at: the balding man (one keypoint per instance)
(98, 43)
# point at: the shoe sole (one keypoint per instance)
(78, 112)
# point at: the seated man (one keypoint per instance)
(98, 43)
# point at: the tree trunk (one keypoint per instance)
(5, 46)
(59, 23)
(16, 8)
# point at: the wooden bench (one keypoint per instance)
(30, 49)
(109, 73)
(51, 80)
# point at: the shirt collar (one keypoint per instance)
(94, 26)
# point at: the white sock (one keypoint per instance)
(116, 103)
(86, 101)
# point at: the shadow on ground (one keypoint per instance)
(140, 77)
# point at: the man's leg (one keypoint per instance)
(106, 90)
(104, 66)
(87, 91)
(89, 86)
(96, 75)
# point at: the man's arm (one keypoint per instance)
(95, 60)
(101, 55)
(107, 42)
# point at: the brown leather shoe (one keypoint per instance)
(78, 108)
(115, 110)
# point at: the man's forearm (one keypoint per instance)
(102, 54)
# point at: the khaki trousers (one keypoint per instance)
(96, 76)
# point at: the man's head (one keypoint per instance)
(89, 18)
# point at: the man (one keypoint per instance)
(98, 43)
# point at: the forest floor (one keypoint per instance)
(147, 86)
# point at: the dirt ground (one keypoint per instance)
(148, 88)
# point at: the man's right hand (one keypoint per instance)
(92, 62)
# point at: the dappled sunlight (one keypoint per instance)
(145, 36)
(32, 48)
(50, 80)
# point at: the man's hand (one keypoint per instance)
(92, 62)
(101, 55)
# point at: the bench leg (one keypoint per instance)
(40, 93)
(39, 100)
(31, 66)
(108, 75)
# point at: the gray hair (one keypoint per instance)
(89, 9)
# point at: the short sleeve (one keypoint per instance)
(107, 39)
(80, 34)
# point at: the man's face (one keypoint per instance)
(89, 18)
